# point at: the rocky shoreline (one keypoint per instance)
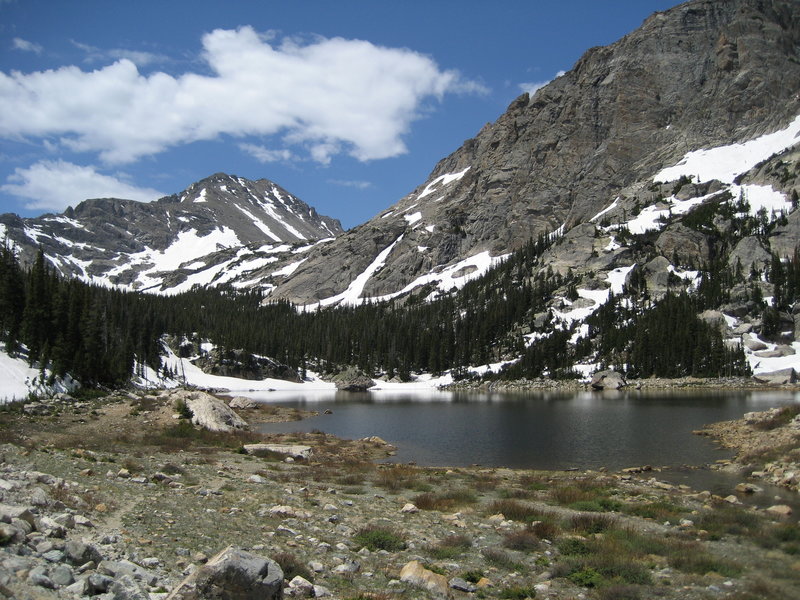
(767, 445)
(120, 498)
(651, 383)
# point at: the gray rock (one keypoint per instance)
(688, 245)
(128, 588)
(62, 575)
(608, 380)
(749, 253)
(98, 583)
(78, 552)
(10, 534)
(780, 377)
(38, 576)
(715, 319)
(753, 344)
(233, 574)
(209, 412)
(118, 568)
(462, 585)
(244, 402)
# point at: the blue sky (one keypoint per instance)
(348, 105)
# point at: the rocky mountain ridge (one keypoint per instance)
(221, 229)
(703, 74)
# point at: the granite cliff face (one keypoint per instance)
(703, 74)
(221, 229)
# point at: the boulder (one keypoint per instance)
(608, 380)
(779, 377)
(656, 274)
(352, 380)
(415, 574)
(293, 450)
(715, 319)
(233, 574)
(752, 343)
(243, 402)
(209, 412)
(780, 510)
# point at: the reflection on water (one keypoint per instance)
(531, 430)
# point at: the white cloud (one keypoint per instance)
(265, 155)
(359, 185)
(535, 86)
(54, 185)
(138, 57)
(26, 46)
(329, 96)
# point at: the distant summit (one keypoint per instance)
(222, 229)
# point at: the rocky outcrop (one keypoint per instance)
(233, 574)
(749, 254)
(683, 245)
(243, 365)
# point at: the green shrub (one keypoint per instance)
(587, 577)
(376, 537)
(450, 547)
(515, 510)
(502, 559)
(473, 576)
(573, 547)
(525, 541)
(517, 592)
(292, 566)
(589, 524)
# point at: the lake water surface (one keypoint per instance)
(584, 430)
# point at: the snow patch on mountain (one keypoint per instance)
(259, 223)
(352, 295)
(413, 217)
(726, 162)
(444, 180)
(453, 277)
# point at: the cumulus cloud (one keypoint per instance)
(54, 185)
(265, 155)
(26, 46)
(535, 86)
(357, 184)
(327, 96)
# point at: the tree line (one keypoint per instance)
(100, 336)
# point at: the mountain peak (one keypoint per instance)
(141, 245)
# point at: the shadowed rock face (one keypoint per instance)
(703, 74)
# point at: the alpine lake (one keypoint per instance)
(543, 430)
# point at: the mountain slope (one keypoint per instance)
(221, 229)
(703, 74)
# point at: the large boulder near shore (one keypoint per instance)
(352, 380)
(608, 380)
(780, 377)
(233, 574)
(209, 412)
